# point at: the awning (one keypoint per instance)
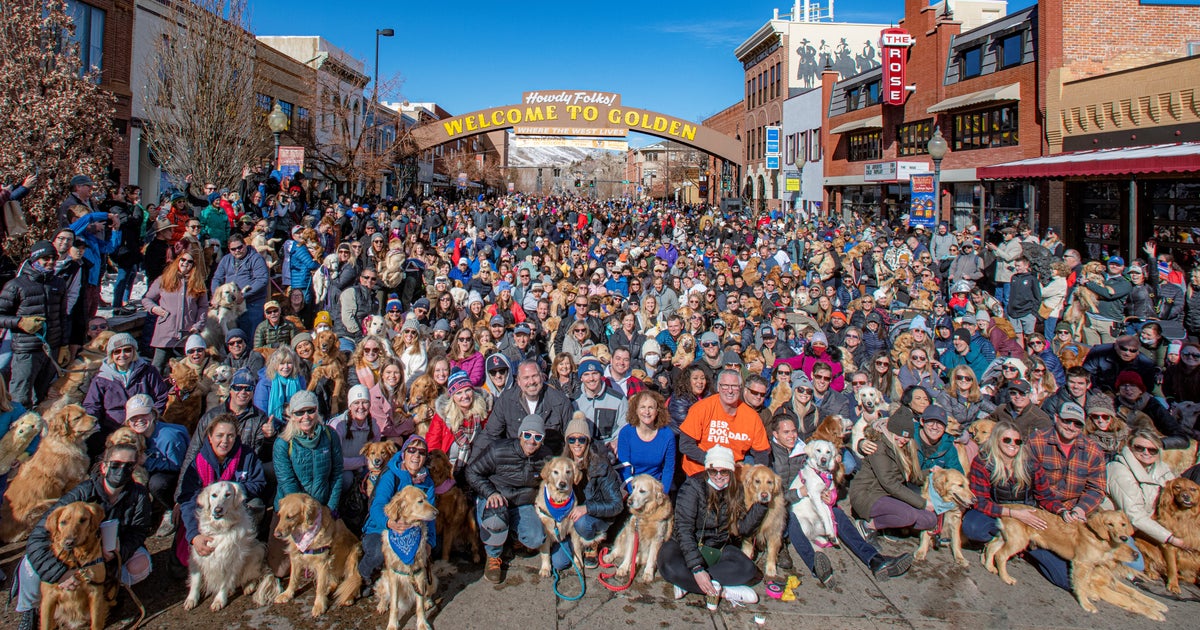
(874, 122)
(991, 95)
(1183, 157)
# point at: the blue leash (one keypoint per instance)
(578, 574)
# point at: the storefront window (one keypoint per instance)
(1098, 208)
(985, 129)
(913, 138)
(1006, 204)
(865, 146)
(1175, 211)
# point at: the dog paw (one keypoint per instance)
(319, 608)
(217, 604)
(647, 578)
(1009, 581)
(190, 603)
(919, 556)
(962, 562)
(544, 572)
(283, 598)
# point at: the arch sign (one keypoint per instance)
(577, 113)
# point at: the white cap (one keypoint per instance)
(357, 393)
(139, 405)
(195, 341)
(719, 457)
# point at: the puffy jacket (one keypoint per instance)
(110, 390)
(1141, 302)
(1134, 490)
(315, 471)
(249, 474)
(250, 436)
(601, 488)
(1104, 365)
(504, 468)
(510, 408)
(215, 222)
(788, 467)
(166, 447)
(249, 271)
(678, 406)
(34, 293)
(1030, 419)
(131, 511)
(974, 360)
(301, 271)
(696, 524)
(394, 479)
(963, 410)
(473, 366)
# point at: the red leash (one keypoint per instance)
(604, 577)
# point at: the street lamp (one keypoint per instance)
(937, 148)
(278, 122)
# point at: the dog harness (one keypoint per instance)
(827, 479)
(307, 538)
(406, 543)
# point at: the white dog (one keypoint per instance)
(814, 515)
(236, 559)
(227, 305)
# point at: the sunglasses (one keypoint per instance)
(235, 342)
(186, 261)
(1017, 441)
(530, 436)
(125, 350)
(718, 472)
(805, 390)
(578, 439)
(370, 350)
(242, 247)
(412, 450)
(99, 327)
(1141, 448)
(755, 392)
(1100, 416)
(853, 337)
(883, 363)
(784, 372)
(311, 411)
(242, 388)
(1071, 421)
(821, 378)
(918, 357)
(1008, 368)
(197, 351)
(858, 383)
(462, 339)
(1126, 349)
(1191, 355)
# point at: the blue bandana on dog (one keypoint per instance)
(558, 511)
(406, 543)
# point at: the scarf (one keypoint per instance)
(464, 437)
(282, 389)
(558, 511)
(406, 543)
(208, 476)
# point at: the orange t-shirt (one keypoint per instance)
(708, 423)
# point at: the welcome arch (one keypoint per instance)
(577, 113)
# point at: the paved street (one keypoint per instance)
(935, 595)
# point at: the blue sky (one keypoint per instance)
(665, 55)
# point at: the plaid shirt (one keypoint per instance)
(1077, 479)
(985, 491)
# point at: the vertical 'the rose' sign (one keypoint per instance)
(895, 42)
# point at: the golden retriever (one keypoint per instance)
(1102, 537)
(760, 484)
(1100, 581)
(455, 519)
(981, 430)
(377, 454)
(1178, 511)
(236, 559)
(72, 387)
(75, 541)
(226, 305)
(412, 580)
(559, 478)
(20, 435)
(185, 402)
(649, 526)
(422, 393)
(59, 464)
(952, 486)
(318, 542)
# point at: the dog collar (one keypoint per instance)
(313, 552)
(306, 539)
(444, 487)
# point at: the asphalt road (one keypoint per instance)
(936, 594)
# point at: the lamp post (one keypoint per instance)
(278, 122)
(937, 148)
(375, 140)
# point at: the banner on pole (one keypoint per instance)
(921, 212)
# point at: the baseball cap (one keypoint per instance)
(42, 249)
(497, 320)
(522, 329)
(934, 413)
(1116, 260)
(709, 337)
(1071, 410)
(496, 362)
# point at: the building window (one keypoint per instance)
(1012, 49)
(1193, 48)
(286, 108)
(88, 35)
(263, 101)
(862, 96)
(865, 146)
(303, 124)
(985, 129)
(913, 138)
(971, 63)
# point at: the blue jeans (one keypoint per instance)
(850, 463)
(124, 283)
(1049, 326)
(253, 316)
(523, 518)
(847, 534)
(979, 527)
(1052, 567)
(1002, 293)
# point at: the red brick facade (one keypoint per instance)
(117, 66)
(727, 121)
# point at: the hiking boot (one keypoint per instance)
(29, 620)
(591, 558)
(885, 567)
(740, 594)
(494, 571)
(823, 569)
(868, 533)
(784, 560)
(520, 550)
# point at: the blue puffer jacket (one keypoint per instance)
(315, 470)
(166, 447)
(301, 270)
(394, 479)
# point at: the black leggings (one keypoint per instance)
(733, 569)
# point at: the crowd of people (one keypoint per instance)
(632, 337)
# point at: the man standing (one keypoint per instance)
(34, 307)
(1024, 299)
(356, 303)
(81, 195)
(1112, 294)
(244, 267)
(722, 420)
(1006, 252)
(530, 396)
(604, 407)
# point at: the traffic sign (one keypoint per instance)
(772, 162)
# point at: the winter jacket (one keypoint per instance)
(1054, 365)
(835, 403)
(1024, 295)
(110, 390)
(249, 474)
(965, 267)
(215, 223)
(250, 360)
(1030, 419)
(678, 406)
(1006, 253)
(315, 471)
(962, 410)
(973, 359)
(1005, 346)
(942, 454)
(354, 304)
(268, 336)
(805, 362)
(95, 246)
(600, 490)
(510, 408)
(166, 447)
(394, 479)
(473, 366)
(131, 511)
(250, 271)
(34, 293)
(788, 466)
(184, 315)
(606, 413)
(1180, 383)
(696, 524)
(1104, 365)
(1111, 296)
(1141, 301)
(929, 381)
(881, 475)
(939, 244)
(352, 440)
(383, 416)
(250, 433)
(301, 271)
(505, 469)
(262, 390)
(1134, 490)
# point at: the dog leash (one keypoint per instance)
(129, 589)
(603, 578)
(554, 569)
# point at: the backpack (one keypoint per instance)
(1040, 260)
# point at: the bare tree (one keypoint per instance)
(55, 115)
(351, 142)
(200, 96)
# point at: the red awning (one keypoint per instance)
(1183, 157)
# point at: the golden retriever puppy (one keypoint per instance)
(954, 487)
(377, 454)
(981, 430)
(406, 556)
(322, 544)
(1100, 538)
(455, 519)
(649, 525)
(75, 541)
(20, 435)
(235, 558)
(760, 484)
(1178, 510)
(556, 495)
(59, 464)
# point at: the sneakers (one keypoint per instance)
(865, 530)
(591, 558)
(679, 593)
(740, 594)
(885, 567)
(166, 527)
(494, 570)
(823, 569)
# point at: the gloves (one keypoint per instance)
(64, 356)
(31, 324)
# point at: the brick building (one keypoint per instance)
(715, 187)
(104, 32)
